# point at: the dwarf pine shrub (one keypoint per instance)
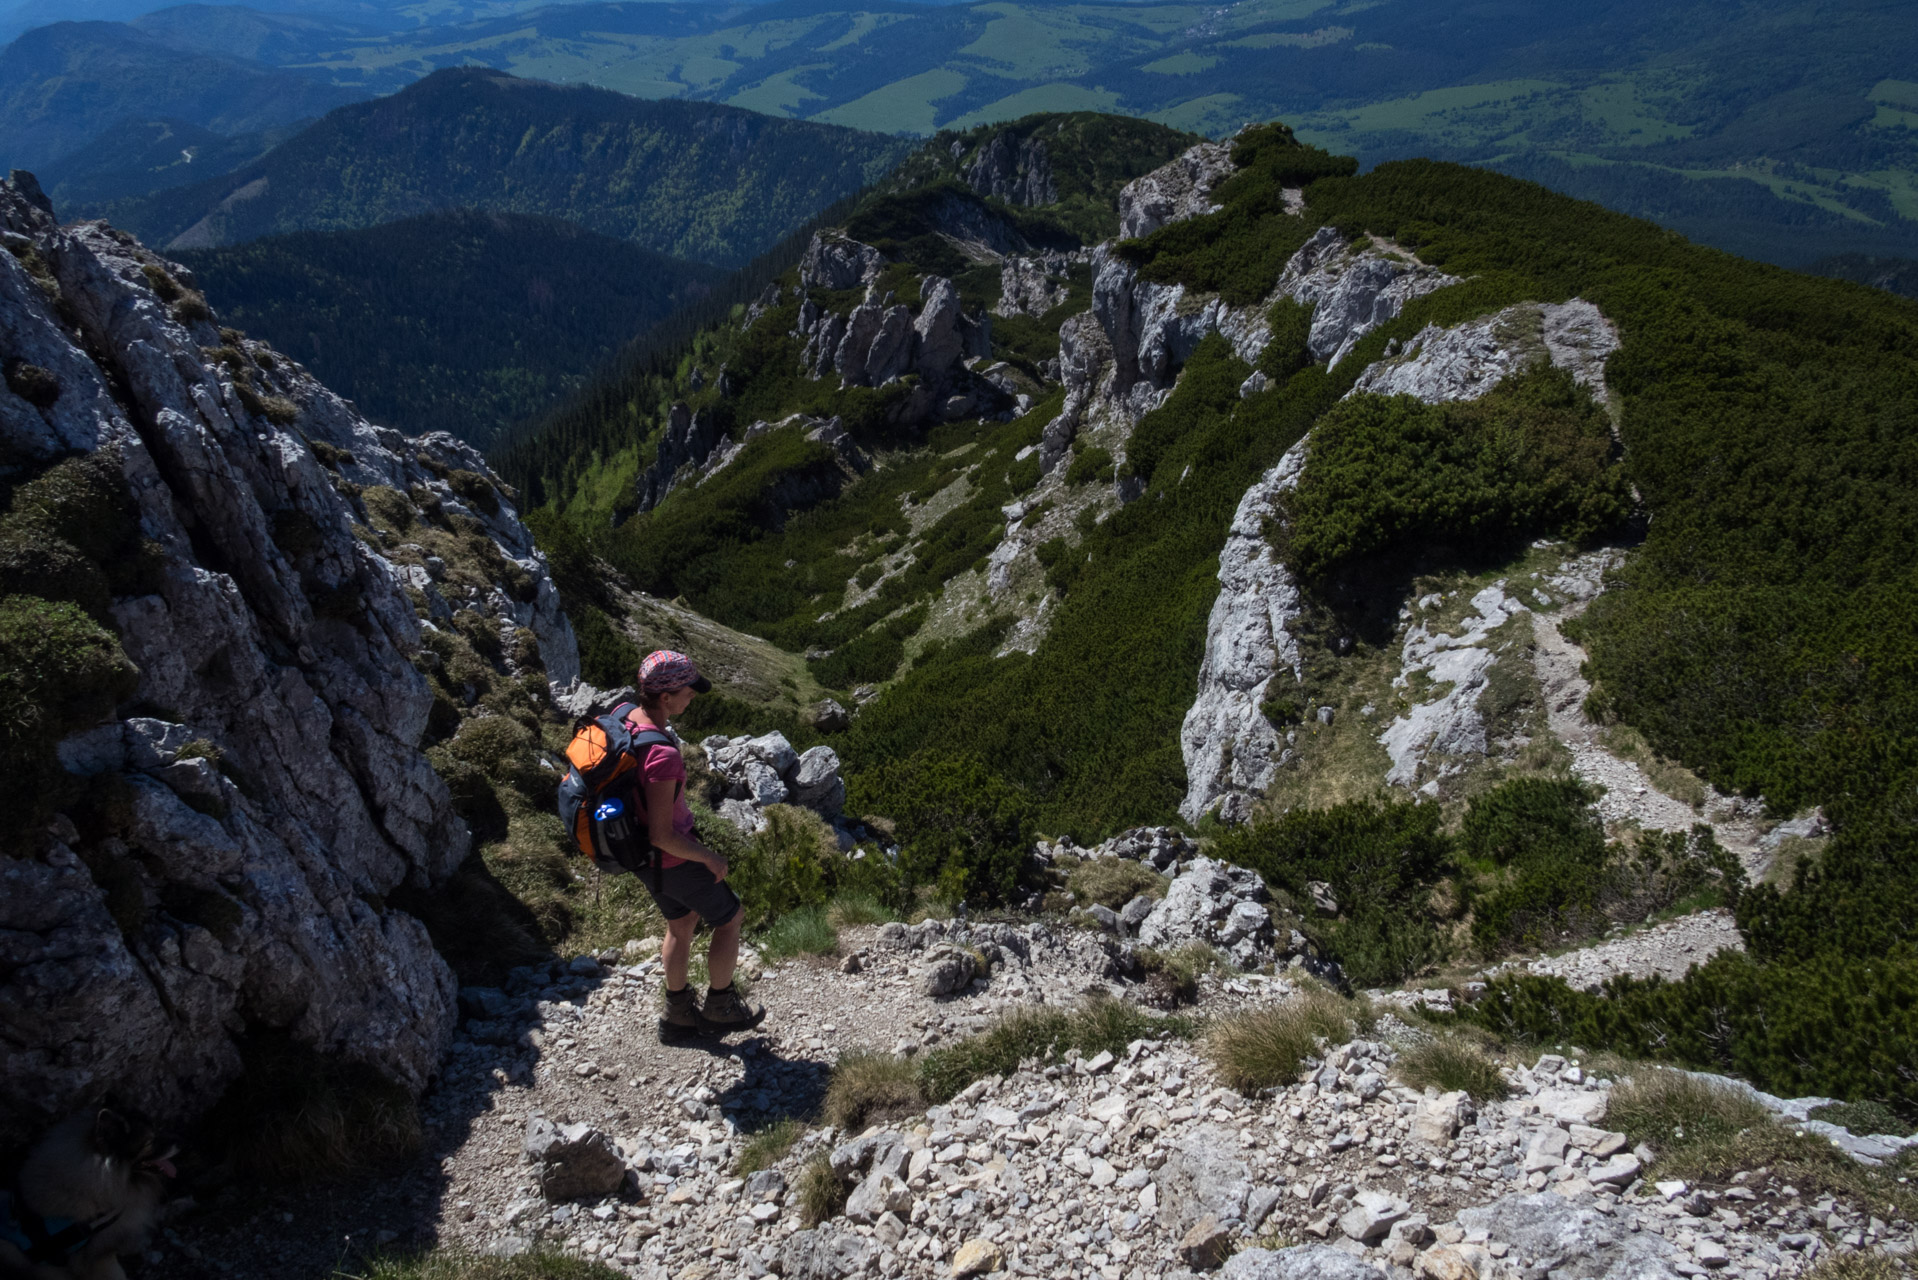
(1836, 1025)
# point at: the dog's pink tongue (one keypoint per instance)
(165, 1166)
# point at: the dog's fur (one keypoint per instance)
(102, 1162)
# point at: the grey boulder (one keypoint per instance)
(826, 1252)
(1200, 1176)
(576, 1161)
(1301, 1262)
(1571, 1242)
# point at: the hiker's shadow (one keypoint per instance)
(772, 1087)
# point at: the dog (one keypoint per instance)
(90, 1191)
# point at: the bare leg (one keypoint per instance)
(677, 950)
(724, 953)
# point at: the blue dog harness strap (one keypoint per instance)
(48, 1241)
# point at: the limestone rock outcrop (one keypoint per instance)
(756, 772)
(1353, 289)
(251, 807)
(689, 439)
(1031, 286)
(881, 341)
(1174, 192)
(1232, 750)
(1016, 171)
(1217, 904)
(1468, 360)
(836, 261)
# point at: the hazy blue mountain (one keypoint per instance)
(27, 14)
(1778, 128)
(64, 85)
(1781, 128)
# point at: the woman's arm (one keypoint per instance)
(659, 823)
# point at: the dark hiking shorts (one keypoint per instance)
(690, 887)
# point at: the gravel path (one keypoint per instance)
(1666, 950)
(1630, 796)
(1101, 1169)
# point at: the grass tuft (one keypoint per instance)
(767, 1147)
(849, 909)
(1113, 882)
(1450, 1063)
(1869, 1265)
(1265, 1046)
(1707, 1132)
(869, 1087)
(1678, 1113)
(1036, 1032)
(540, 1264)
(805, 932)
(821, 1193)
(1172, 977)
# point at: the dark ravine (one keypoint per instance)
(246, 813)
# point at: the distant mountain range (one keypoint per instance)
(462, 321)
(692, 180)
(63, 86)
(1782, 130)
(389, 14)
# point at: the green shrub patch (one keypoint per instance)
(1838, 1026)
(1535, 456)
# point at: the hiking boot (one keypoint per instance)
(682, 1014)
(726, 1010)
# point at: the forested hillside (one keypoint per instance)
(464, 322)
(1011, 526)
(705, 183)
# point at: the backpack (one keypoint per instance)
(601, 800)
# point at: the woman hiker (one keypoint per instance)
(691, 883)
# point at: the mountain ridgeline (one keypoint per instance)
(693, 181)
(1281, 501)
(1787, 139)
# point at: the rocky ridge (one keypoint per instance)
(270, 787)
(1120, 358)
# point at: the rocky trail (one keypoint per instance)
(560, 1121)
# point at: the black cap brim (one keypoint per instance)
(701, 685)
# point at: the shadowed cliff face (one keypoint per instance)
(215, 856)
